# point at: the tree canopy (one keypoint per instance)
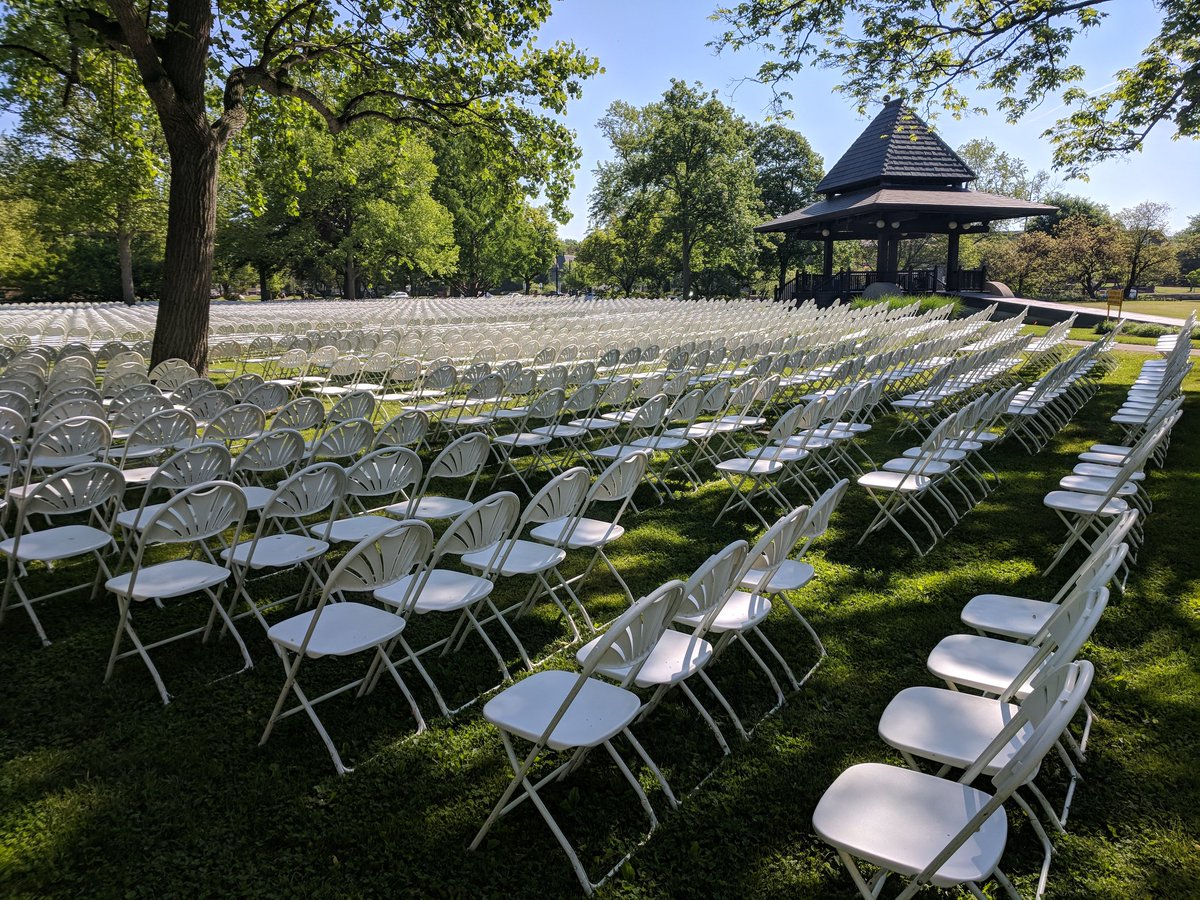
(933, 54)
(430, 66)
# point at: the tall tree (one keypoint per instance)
(439, 65)
(787, 171)
(95, 166)
(694, 150)
(1090, 254)
(1147, 251)
(1003, 173)
(534, 244)
(1069, 205)
(933, 53)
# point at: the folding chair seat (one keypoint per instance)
(348, 628)
(934, 831)
(283, 540)
(566, 713)
(464, 457)
(90, 489)
(197, 516)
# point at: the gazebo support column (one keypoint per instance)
(952, 265)
(887, 259)
(827, 261)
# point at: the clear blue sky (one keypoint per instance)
(642, 44)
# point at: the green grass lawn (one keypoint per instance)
(105, 792)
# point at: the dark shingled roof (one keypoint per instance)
(896, 148)
(967, 205)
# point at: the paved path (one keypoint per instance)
(1129, 348)
(1060, 311)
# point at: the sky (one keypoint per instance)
(643, 44)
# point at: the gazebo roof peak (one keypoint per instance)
(899, 149)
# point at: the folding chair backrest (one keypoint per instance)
(1073, 623)
(195, 514)
(560, 498)
(820, 513)
(582, 400)
(74, 490)
(620, 480)
(382, 560)
(240, 422)
(460, 458)
(163, 429)
(268, 396)
(68, 409)
(344, 440)
(384, 472)
(404, 430)
(631, 638)
(488, 522)
(210, 405)
(81, 436)
(271, 452)
(13, 425)
(302, 414)
(310, 491)
(712, 584)
(777, 543)
(355, 405)
(194, 465)
(1054, 701)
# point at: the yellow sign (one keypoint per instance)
(1114, 298)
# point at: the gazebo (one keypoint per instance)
(898, 180)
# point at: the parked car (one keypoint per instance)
(397, 295)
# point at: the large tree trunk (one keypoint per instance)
(125, 255)
(181, 330)
(685, 274)
(264, 284)
(350, 291)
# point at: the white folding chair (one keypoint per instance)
(347, 628)
(197, 516)
(90, 489)
(462, 458)
(283, 540)
(934, 831)
(440, 589)
(565, 713)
